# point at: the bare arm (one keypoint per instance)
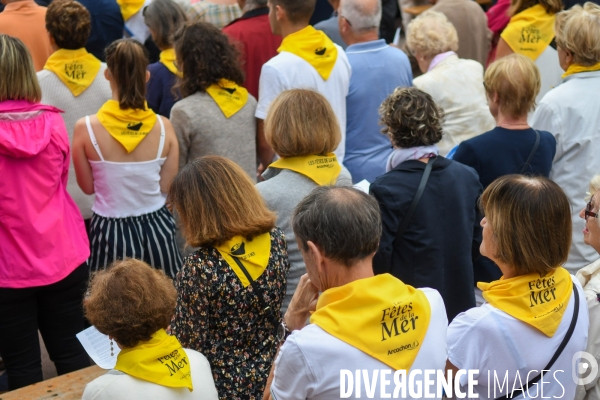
(83, 170)
(264, 151)
(502, 50)
(171, 165)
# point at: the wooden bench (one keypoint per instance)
(64, 387)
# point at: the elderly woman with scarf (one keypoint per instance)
(431, 231)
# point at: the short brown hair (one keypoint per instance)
(19, 81)
(531, 222)
(205, 56)
(216, 200)
(411, 118)
(163, 18)
(301, 122)
(297, 11)
(516, 80)
(130, 301)
(127, 61)
(577, 30)
(69, 23)
(551, 6)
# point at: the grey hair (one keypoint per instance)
(363, 15)
(344, 223)
(254, 4)
(163, 18)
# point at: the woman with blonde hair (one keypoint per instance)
(304, 146)
(127, 156)
(230, 290)
(455, 84)
(43, 243)
(530, 32)
(569, 112)
(133, 303)
(535, 321)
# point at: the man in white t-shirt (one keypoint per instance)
(375, 324)
(307, 59)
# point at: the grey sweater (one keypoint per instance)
(283, 190)
(203, 130)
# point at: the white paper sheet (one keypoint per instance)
(97, 345)
(363, 185)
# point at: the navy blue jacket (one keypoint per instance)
(107, 25)
(440, 246)
(159, 93)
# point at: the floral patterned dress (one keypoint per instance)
(218, 317)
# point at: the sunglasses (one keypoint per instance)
(588, 211)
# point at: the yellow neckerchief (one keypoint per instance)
(577, 68)
(314, 47)
(130, 7)
(324, 170)
(229, 96)
(167, 58)
(129, 127)
(380, 316)
(537, 301)
(160, 360)
(77, 69)
(530, 32)
(253, 254)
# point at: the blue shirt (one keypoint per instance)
(107, 25)
(159, 90)
(377, 69)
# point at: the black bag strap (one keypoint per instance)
(535, 147)
(560, 349)
(252, 283)
(416, 200)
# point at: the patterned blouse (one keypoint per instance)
(218, 317)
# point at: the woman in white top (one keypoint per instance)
(151, 364)
(127, 156)
(535, 307)
(455, 84)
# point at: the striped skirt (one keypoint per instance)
(149, 237)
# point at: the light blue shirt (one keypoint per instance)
(377, 69)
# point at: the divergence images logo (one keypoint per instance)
(230, 90)
(132, 126)
(584, 368)
(321, 51)
(239, 249)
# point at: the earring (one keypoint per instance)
(111, 348)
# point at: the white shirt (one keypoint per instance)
(456, 85)
(288, 71)
(550, 72)
(116, 385)
(488, 339)
(310, 361)
(570, 112)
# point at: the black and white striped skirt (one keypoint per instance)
(149, 237)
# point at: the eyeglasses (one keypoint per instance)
(588, 211)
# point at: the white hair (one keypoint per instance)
(363, 15)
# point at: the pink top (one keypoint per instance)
(42, 235)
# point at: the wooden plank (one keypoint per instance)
(416, 10)
(64, 387)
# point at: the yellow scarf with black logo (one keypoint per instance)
(160, 360)
(252, 254)
(537, 301)
(314, 47)
(167, 58)
(576, 68)
(77, 69)
(324, 170)
(380, 316)
(229, 96)
(129, 127)
(530, 32)
(130, 7)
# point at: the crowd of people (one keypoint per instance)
(247, 204)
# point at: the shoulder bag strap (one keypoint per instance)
(252, 283)
(535, 147)
(560, 349)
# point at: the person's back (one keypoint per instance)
(25, 20)
(107, 25)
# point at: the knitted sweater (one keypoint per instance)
(56, 93)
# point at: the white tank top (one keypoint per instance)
(127, 189)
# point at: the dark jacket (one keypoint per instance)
(441, 243)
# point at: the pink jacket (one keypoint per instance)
(42, 235)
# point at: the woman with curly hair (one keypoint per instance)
(431, 232)
(216, 114)
(133, 304)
